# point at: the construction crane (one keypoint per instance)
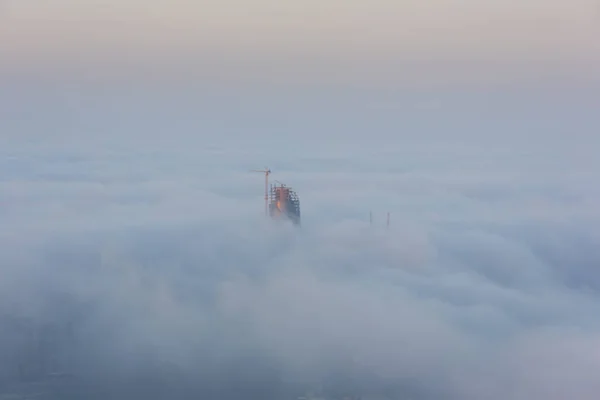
(265, 171)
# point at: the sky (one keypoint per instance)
(382, 42)
(132, 230)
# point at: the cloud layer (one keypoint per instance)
(144, 264)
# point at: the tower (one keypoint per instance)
(284, 203)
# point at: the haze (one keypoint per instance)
(379, 42)
(134, 255)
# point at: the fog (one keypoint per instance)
(134, 247)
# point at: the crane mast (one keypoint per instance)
(267, 172)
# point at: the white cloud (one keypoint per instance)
(152, 243)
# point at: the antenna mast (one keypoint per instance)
(265, 171)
